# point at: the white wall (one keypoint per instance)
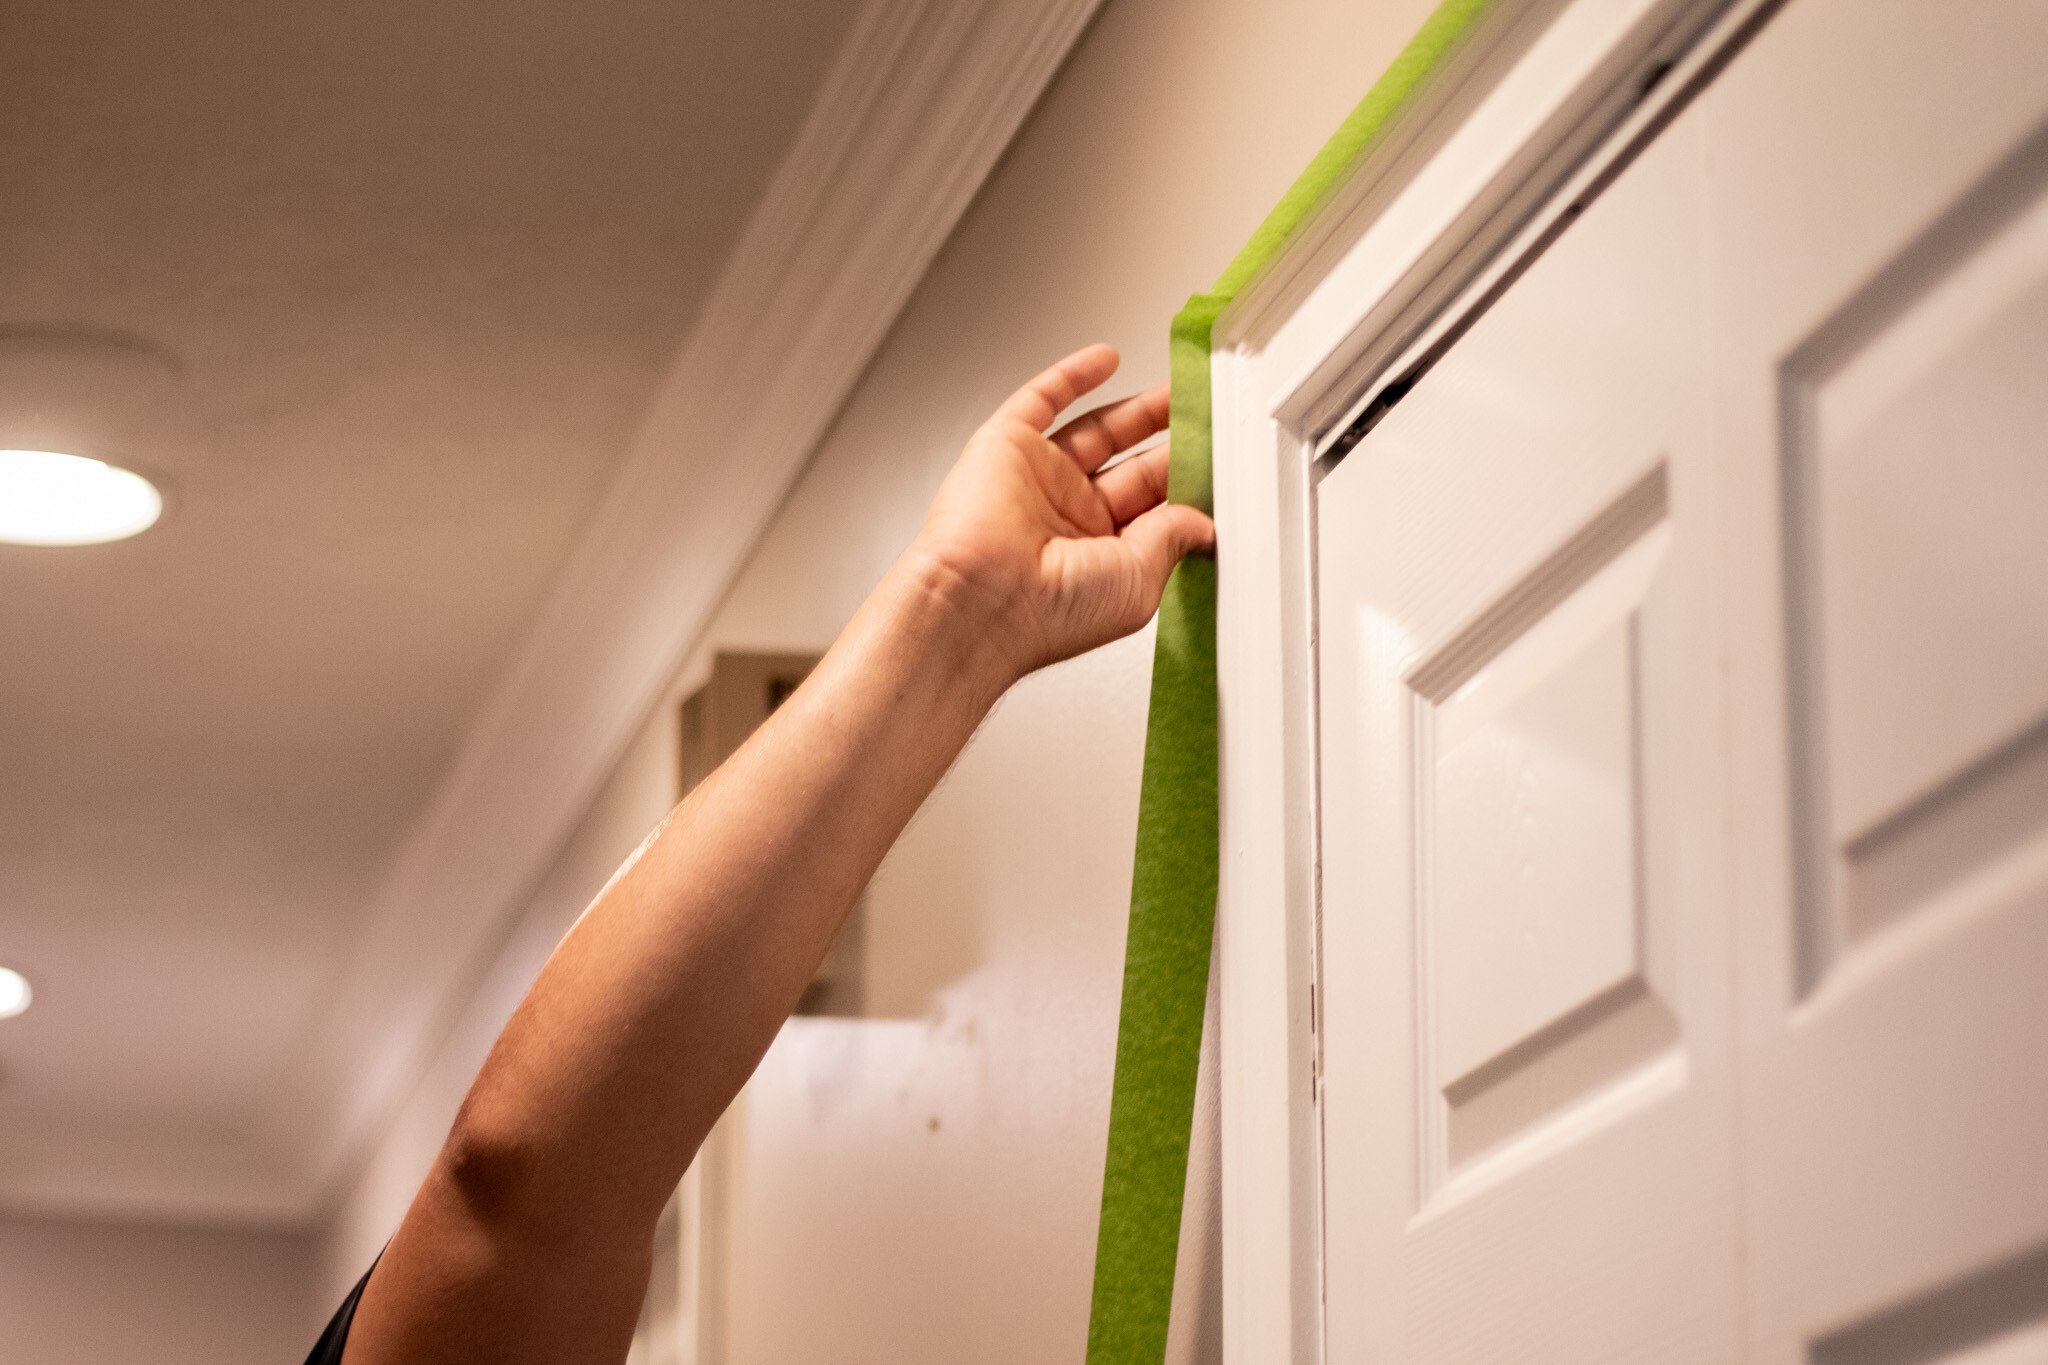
(87, 1294)
(921, 1185)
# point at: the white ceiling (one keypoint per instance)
(381, 292)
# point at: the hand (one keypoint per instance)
(1062, 557)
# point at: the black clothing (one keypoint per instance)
(327, 1351)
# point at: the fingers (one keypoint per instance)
(1092, 438)
(1162, 536)
(1135, 486)
(1050, 394)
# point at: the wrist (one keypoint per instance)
(964, 624)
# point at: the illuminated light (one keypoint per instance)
(14, 993)
(52, 499)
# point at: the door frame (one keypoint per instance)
(1548, 101)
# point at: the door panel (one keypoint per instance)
(1916, 479)
(1534, 964)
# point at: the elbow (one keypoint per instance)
(526, 1216)
(493, 1176)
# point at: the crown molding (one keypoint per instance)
(920, 102)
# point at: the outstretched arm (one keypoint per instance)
(530, 1239)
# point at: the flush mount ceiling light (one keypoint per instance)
(14, 993)
(52, 499)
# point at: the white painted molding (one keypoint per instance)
(920, 102)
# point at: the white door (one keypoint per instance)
(1683, 733)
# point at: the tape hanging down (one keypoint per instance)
(1173, 885)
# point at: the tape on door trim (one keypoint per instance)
(1173, 884)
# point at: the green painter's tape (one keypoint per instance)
(1173, 908)
(1173, 886)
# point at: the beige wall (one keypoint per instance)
(921, 1185)
(89, 1294)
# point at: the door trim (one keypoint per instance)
(1557, 96)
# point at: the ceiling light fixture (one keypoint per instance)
(14, 993)
(52, 499)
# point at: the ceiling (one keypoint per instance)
(380, 293)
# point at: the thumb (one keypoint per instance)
(1162, 536)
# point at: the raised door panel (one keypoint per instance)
(1917, 478)
(1533, 965)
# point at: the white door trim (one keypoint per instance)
(1551, 98)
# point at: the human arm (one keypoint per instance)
(530, 1238)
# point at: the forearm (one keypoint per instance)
(529, 1240)
(658, 1004)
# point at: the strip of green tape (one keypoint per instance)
(1173, 886)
